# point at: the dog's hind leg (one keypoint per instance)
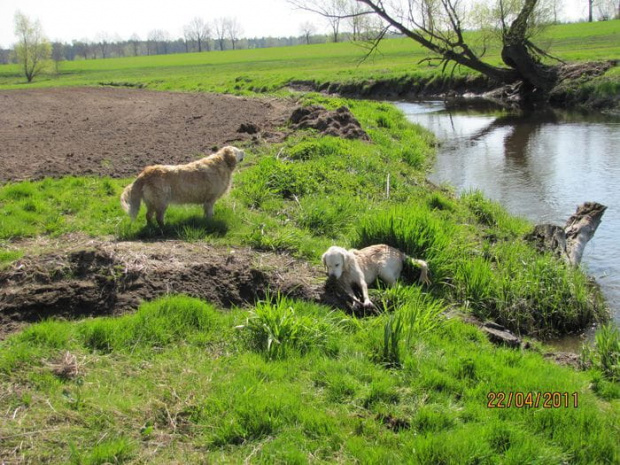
(150, 212)
(159, 215)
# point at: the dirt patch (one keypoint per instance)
(76, 277)
(117, 132)
(338, 123)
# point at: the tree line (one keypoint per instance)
(198, 36)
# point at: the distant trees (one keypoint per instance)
(200, 36)
(607, 9)
(157, 42)
(32, 50)
(58, 54)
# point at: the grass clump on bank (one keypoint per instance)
(177, 381)
(489, 270)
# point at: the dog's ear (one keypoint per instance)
(229, 156)
(348, 259)
(323, 259)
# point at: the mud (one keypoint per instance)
(76, 277)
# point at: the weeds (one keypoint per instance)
(415, 314)
(604, 354)
(276, 329)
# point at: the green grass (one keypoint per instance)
(287, 381)
(177, 381)
(269, 70)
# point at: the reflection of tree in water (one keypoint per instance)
(522, 129)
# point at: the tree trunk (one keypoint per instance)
(570, 241)
(517, 54)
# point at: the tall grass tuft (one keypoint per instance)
(156, 323)
(416, 315)
(604, 354)
(277, 327)
(412, 229)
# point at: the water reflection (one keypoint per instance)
(540, 166)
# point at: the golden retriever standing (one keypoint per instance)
(202, 181)
(362, 267)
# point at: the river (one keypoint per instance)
(538, 166)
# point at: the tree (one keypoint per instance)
(33, 50)
(157, 42)
(334, 11)
(198, 31)
(234, 31)
(439, 26)
(58, 54)
(102, 41)
(134, 44)
(307, 29)
(221, 30)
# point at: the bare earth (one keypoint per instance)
(116, 132)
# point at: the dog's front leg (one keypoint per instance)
(208, 209)
(358, 278)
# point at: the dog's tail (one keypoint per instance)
(423, 269)
(131, 198)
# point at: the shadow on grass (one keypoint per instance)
(193, 228)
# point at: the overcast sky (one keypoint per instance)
(67, 20)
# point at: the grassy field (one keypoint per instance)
(287, 381)
(269, 70)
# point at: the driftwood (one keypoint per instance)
(569, 241)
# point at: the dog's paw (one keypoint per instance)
(368, 305)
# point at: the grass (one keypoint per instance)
(287, 381)
(192, 388)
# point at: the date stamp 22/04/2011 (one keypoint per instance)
(510, 399)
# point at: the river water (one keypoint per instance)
(538, 166)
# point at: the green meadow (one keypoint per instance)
(271, 69)
(290, 381)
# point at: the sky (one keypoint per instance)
(67, 20)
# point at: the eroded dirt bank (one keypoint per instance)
(76, 276)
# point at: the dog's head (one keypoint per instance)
(336, 261)
(232, 155)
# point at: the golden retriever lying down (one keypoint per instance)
(202, 181)
(362, 267)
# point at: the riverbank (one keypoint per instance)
(399, 68)
(582, 86)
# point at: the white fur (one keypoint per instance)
(363, 267)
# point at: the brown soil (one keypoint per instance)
(76, 276)
(117, 132)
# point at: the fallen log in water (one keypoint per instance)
(569, 241)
